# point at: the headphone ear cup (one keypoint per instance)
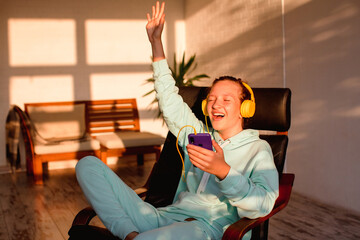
(203, 107)
(247, 109)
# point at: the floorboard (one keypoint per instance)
(29, 212)
(305, 218)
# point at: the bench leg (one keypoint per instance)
(98, 154)
(103, 155)
(140, 159)
(38, 171)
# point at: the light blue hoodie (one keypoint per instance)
(251, 186)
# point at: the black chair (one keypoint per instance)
(272, 114)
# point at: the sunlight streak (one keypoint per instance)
(41, 42)
(24, 89)
(117, 42)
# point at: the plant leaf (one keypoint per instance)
(198, 77)
(189, 64)
(148, 93)
(179, 72)
(174, 70)
(150, 80)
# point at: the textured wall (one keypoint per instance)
(321, 60)
(322, 68)
(240, 38)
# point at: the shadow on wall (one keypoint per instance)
(322, 59)
(77, 50)
(251, 48)
(322, 55)
(76, 41)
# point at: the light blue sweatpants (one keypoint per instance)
(122, 211)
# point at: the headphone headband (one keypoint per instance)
(252, 98)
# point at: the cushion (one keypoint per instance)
(58, 122)
(129, 139)
(84, 144)
(272, 109)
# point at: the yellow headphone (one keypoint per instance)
(247, 108)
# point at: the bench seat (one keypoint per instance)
(129, 139)
(84, 144)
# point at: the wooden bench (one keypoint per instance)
(56, 131)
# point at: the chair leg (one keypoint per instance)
(260, 232)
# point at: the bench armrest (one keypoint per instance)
(28, 141)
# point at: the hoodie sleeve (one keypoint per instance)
(176, 112)
(253, 196)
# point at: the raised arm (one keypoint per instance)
(175, 111)
(154, 29)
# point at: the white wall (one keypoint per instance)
(78, 50)
(321, 60)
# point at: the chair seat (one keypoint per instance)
(85, 144)
(129, 139)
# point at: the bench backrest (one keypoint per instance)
(112, 116)
(71, 120)
(56, 121)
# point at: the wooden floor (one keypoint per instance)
(29, 212)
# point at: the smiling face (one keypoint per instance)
(224, 108)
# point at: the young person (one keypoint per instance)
(238, 179)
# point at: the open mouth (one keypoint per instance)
(218, 116)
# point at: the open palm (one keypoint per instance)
(155, 24)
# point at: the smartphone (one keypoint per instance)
(201, 140)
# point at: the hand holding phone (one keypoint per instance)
(210, 162)
(201, 140)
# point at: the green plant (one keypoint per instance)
(180, 73)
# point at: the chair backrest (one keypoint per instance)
(272, 114)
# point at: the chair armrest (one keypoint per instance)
(238, 229)
(84, 216)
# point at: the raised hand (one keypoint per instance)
(155, 24)
(154, 29)
(209, 161)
